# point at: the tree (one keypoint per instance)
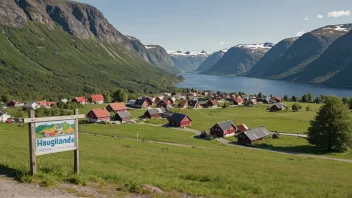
(61, 105)
(107, 97)
(308, 108)
(286, 98)
(294, 98)
(296, 107)
(332, 127)
(305, 98)
(226, 105)
(260, 95)
(317, 100)
(120, 95)
(132, 96)
(345, 100)
(310, 97)
(5, 98)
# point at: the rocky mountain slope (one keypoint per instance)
(333, 67)
(154, 54)
(239, 59)
(188, 61)
(56, 49)
(211, 60)
(276, 52)
(304, 51)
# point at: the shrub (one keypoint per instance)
(226, 105)
(296, 107)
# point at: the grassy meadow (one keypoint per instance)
(226, 172)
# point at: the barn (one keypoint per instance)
(98, 115)
(277, 107)
(247, 137)
(179, 120)
(223, 129)
(122, 116)
(116, 107)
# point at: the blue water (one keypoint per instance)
(254, 86)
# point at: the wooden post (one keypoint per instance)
(76, 152)
(32, 144)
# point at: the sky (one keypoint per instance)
(212, 25)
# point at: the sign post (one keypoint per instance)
(52, 135)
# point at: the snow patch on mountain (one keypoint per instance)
(257, 46)
(149, 46)
(188, 53)
(337, 28)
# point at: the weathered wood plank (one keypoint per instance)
(45, 119)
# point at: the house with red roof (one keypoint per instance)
(116, 107)
(210, 103)
(179, 120)
(164, 103)
(97, 99)
(98, 115)
(80, 100)
(238, 101)
(242, 128)
(45, 103)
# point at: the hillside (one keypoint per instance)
(62, 49)
(188, 61)
(239, 59)
(304, 51)
(154, 54)
(211, 60)
(264, 64)
(333, 67)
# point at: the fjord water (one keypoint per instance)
(254, 86)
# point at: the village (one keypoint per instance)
(163, 108)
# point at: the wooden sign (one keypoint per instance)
(52, 135)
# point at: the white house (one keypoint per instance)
(4, 117)
(30, 106)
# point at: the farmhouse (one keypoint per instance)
(4, 117)
(116, 107)
(179, 120)
(238, 101)
(183, 104)
(80, 100)
(30, 106)
(97, 99)
(154, 113)
(242, 128)
(149, 100)
(122, 116)
(14, 103)
(223, 129)
(193, 104)
(164, 103)
(210, 103)
(247, 137)
(98, 115)
(130, 103)
(141, 104)
(277, 107)
(158, 99)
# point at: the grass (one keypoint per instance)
(229, 172)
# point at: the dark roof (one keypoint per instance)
(257, 133)
(139, 101)
(225, 125)
(123, 114)
(279, 105)
(192, 103)
(178, 117)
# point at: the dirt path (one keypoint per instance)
(11, 188)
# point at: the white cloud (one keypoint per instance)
(222, 43)
(320, 16)
(306, 18)
(339, 13)
(300, 33)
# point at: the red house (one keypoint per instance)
(149, 100)
(45, 103)
(183, 104)
(211, 103)
(158, 99)
(122, 116)
(242, 128)
(116, 107)
(238, 101)
(97, 99)
(193, 104)
(247, 137)
(14, 103)
(98, 115)
(223, 129)
(179, 120)
(251, 102)
(164, 103)
(154, 113)
(141, 104)
(80, 100)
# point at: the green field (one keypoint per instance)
(225, 172)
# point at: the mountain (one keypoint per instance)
(275, 53)
(211, 60)
(239, 59)
(304, 51)
(52, 49)
(188, 61)
(333, 67)
(154, 54)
